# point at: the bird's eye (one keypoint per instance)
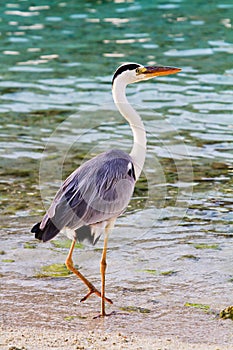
(137, 70)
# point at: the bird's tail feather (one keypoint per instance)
(47, 233)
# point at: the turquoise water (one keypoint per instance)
(57, 60)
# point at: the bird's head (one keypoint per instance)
(134, 72)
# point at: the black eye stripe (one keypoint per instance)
(125, 67)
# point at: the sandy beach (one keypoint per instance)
(42, 339)
(35, 319)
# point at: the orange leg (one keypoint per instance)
(70, 266)
(103, 266)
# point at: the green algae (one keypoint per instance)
(54, 270)
(159, 273)
(198, 306)
(206, 246)
(65, 243)
(150, 271)
(188, 256)
(29, 245)
(138, 309)
(168, 273)
(71, 318)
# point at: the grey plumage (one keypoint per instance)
(100, 189)
(94, 195)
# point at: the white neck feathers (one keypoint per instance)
(138, 152)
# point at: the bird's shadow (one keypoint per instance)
(113, 313)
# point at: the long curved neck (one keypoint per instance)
(138, 152)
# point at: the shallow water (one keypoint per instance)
(174, 243)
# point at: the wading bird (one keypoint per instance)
(94, 195)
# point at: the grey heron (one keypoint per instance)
(94, 195)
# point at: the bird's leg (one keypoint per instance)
(70, 266)
(103, 266)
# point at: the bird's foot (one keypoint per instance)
(105, 315)
(95, 291)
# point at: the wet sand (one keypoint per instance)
(35, 318)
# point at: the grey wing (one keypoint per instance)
(97, 191)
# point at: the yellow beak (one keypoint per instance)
(158, 71)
